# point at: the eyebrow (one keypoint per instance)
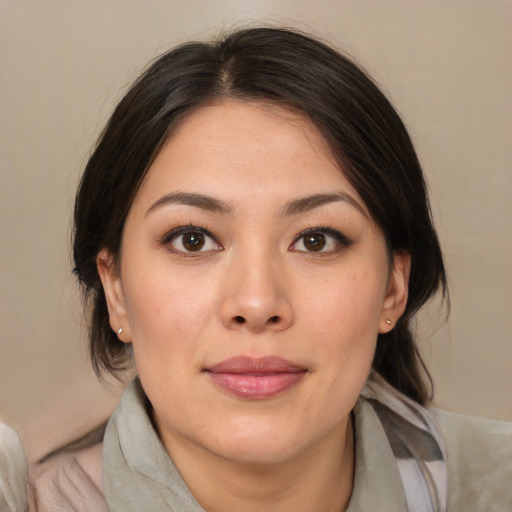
(294, 207)
(202, 201)
(308, 203)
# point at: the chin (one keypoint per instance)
(258, 454)
(258, 446)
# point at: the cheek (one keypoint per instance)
(159, 298)
(167, 315)
(346, 305)
(345, 324)
(166, 326)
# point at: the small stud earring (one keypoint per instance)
(388, 321)
(120, 330)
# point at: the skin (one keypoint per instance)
(255, 289)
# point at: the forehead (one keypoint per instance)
(240, 149)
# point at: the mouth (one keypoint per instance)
(255, 378)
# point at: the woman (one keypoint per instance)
(253, 230)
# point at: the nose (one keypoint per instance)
(256, 296)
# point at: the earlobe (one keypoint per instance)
(397, 292)
(114, 295)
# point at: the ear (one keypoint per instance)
(111, 281)
(397, 292)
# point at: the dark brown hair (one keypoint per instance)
(292, 70)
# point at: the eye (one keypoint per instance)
(190, 239)
(321, 240)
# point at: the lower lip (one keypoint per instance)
(256, 387)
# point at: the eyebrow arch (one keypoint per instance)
(198, 200)
(308, 203)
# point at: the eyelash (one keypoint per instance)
(341, 240)
(174, 234)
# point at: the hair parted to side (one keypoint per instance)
(290, 69)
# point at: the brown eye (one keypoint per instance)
(190, 240)
(320, 240)
(314, 242)
(193, 241)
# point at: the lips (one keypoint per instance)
(255, 378)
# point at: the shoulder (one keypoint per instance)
(479, 462)
(68, 481)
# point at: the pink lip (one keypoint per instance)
(256, 378)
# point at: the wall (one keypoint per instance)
(447, 67)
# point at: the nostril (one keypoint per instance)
(274, 319)
(239, 319)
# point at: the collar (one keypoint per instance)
(377, 481)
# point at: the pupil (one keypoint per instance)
(193, 241)
(315, 242)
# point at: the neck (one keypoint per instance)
(320, 478)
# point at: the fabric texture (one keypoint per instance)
(417, 444)
(69, 482)
(13, 472)
(479, 455)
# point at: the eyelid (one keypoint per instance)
(169, 236)
(342, 239)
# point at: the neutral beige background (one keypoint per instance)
(447, 65)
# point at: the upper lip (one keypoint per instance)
(255, 365)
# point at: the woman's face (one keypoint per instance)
(252, 284)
